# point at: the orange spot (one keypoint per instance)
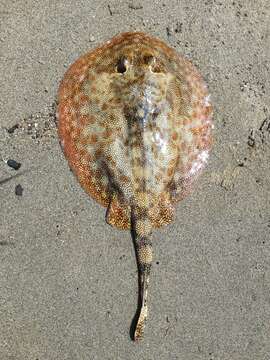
(98, 174)
(170, 171)
(98, 153)
(88, 157)
(194, 114)
(124, 179)
(91, 119)
(75, 132)
(110, 160)
(82, 98)
(183, 147)
(83, 120)
(104, 107)
(186, 120)
(84, 140)
(91, 77)
(82, 152)
(196, 131)
(93, 138)
(174, 136)
(207, 111)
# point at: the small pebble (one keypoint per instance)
(18, 190)
(13, 164)
(135, 5)
(13, 128)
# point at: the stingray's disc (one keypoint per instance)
(133, 113)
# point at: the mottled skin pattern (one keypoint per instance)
(135, 125)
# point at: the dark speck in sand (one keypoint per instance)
(13, 164)
(19, 190)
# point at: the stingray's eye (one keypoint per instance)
(149, 59)
(121, 66)
(153, 63)
(157, 67)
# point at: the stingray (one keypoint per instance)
(134, 122)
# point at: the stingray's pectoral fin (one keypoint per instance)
(118, 213)
(163, 213)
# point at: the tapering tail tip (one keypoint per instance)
(139, 330)
(144, 261)
(142, 227)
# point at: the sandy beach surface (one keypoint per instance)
(68, 284)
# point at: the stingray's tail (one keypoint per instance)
(142, 230)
